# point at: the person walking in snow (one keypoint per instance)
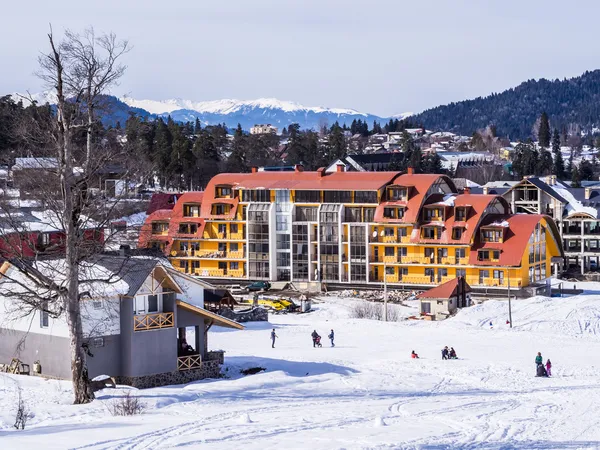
(538, 359)
(273, 337)
(491, 325)
(445, 353)
(549, 368)
(315, 336)
(331, 336)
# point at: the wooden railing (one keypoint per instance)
(405, 239)
(154, 321)
(416, 279)
(189, 362)
(236, 255)
(235, 273)
(209, 272)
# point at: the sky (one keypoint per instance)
(380, 57)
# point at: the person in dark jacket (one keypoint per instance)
(331, 337)
(445, 352)
(452, 354)
(273, 337)
(315, 336)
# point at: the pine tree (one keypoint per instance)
(575, 178)
(197, 126)
(544, 131)
(558, 167)
(545, 163)
(586, 170)
(237, 159)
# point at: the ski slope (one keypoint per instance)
(364, 393)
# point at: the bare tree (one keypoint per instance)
(79, 70)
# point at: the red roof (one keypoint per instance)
(162, 200)
(476, 205)
(516, 237)
(161, 215)
(444, 291)
(419, 185)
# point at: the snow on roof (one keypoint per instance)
(35, 163)
(448, 200)
(573, 205)
(503, 224)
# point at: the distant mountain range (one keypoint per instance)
(514, 111)
(250, 112)
(229, 111)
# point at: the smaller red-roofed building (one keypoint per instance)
(444, 300)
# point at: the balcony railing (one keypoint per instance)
(155, 321)
(218, 273)
(189, 362)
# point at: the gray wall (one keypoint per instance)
(146, 352)
(106, 359)
(52, 352)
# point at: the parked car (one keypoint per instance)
(258, 286)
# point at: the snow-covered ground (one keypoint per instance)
(364, 393)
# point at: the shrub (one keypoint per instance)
(23, 414)
(373, 311)
(128, 405)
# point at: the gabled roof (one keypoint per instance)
(444, 291)
(546, 188)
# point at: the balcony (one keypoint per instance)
(389, 239)
(145, 322)
(189, 362)
(217, 273)
(405, 239)
(417, 279)
(236, 273)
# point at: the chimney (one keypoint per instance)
(340, 168)
(410, 171)
(254, 169)
(552, 180)
(124, 250)
(467, 190)
(588, 191)
(298, 168)
(486, 190)
(320, 172)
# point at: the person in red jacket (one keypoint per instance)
(414, 355)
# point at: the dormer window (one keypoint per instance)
(431, 232)
(160, 227)
(488, 255)
(460, 214)
(397, 193)
(220, 209)
(188, 228)
(457, 232)
(491, 235)
(434, 214)
(393, 213)
(191, 210)
(223, 192)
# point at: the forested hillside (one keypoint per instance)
(574, 101)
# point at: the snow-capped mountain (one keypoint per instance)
(229, 111)
(249, 112)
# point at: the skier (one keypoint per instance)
(273, 337)
(331, 336)
(413, 355)
(549, 368)
(491, 325)
(314, 336)
(445, 353)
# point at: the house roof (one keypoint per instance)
(215, 318)
(419, 185)
(476, 207)
(162, 200)
(518, 230)
(444, 291)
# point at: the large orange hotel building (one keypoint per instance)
(415, 230)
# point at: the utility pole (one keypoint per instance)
(509, 305)
(385, 296)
